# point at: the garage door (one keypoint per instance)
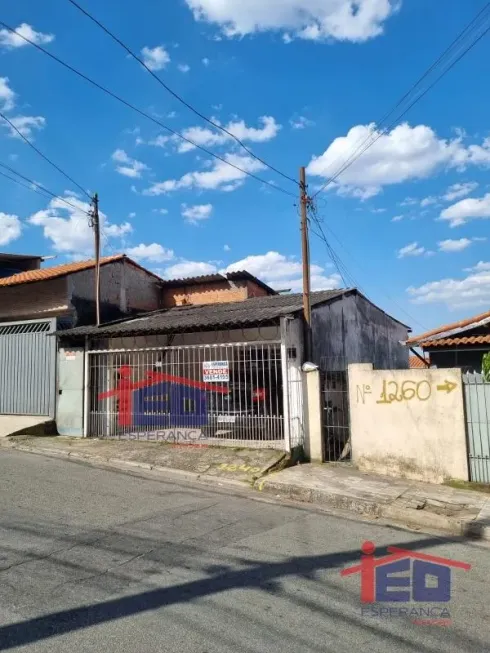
(28, 368)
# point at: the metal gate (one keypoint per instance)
(477, 407)
(336, 417)
(216, 393)
(28, 368)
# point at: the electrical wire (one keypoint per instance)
(42, 188)
(17, 181)
(376, 131)
(176, 95)
(339, 263)
(143, 113)
(26, 140)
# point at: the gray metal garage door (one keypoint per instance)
(28, 368)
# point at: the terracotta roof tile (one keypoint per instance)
(465, 340)
(448, 327)
(414, 362)
(62, 270)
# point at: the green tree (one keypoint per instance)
(485, 366)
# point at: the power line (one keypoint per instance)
(358, 151)
(175, 94)
(143, 113)
(340, 264)
(42, 188)
(26, 140)
(17, 181)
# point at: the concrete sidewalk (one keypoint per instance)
(338, 488)
(216, 465)
(409, 503)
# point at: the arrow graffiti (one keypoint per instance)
(447, 386)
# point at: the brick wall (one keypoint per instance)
(34, 300)
(217, 292)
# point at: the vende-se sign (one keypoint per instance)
(215, 371)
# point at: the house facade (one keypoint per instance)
(35, 302)
(67, 292)
(228, 373)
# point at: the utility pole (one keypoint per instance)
(305, 250)
(95, 225)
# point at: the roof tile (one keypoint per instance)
(56, 271)
(448, 327)
(464, 340)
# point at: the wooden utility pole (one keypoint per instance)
(95, 224)
(305, 250)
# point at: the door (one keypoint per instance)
(28, 368)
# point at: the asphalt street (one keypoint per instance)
(97, 560)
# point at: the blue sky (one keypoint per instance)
(299, 81)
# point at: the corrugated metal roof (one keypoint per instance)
(256, 310)
(240, 275)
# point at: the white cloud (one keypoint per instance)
(10, 228)
(132, 215)
(189, 269)
(155, 58)
(227, 248)
(397, 218)
(454, 245)
(204, 136)
(413, 249)
(467, 209)
(404, 154)
(301, 122)
(408, 201)
(160, 140)
(183, 67)
(194, 214)
(428, 201)
(315, 20)
(154, 252)
(68, 229)
(456, 191)
(282, 272)
(129, 167)
(378, 210)
(205, 61)
(7, 95)
(9, 40)
(26, 125)
(481, 266)
(219, 177)
(471, 291)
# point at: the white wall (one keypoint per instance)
(408, 423)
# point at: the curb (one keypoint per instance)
(398, 515)
(337, 504)
(116, 463)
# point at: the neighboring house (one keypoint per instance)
(460, 344)
(68, 291)
(35, 302)
(231, 369)
(213, 289)
(14, 263)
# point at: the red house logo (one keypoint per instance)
(428, 579)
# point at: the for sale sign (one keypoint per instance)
(213, 371)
